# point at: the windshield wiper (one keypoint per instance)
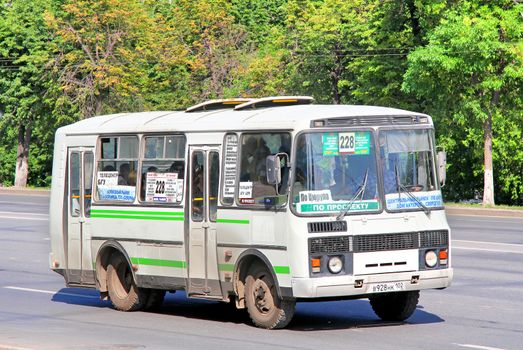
(361, 191)
(401, 188)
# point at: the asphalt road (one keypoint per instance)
(482, 310)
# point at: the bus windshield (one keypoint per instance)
(335, 170)
(409, 176)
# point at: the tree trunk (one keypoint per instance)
(488, 186)
(22, 156)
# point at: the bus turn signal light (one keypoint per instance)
(443, 256)
(316, 264)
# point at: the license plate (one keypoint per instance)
(388, 287)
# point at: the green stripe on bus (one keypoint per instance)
(226, 267)
(159, 262)
(282, 270)
(137, 212)
(136, 217)
(231, 221)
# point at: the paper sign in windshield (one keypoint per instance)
(315, 196)
(330, 144)
(161, 187)
(346, 143)
(245, 190)
(107, 178)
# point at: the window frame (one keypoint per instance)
(257, 206)
(143, 160)
(99, 159)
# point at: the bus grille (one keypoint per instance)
(434, 239)
(377, 243)
(340, 244)
(393, 241)
(329, 226)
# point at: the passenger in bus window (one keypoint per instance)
(123, 176)
(197, 190)
(248, 164)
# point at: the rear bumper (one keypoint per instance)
(341, 286)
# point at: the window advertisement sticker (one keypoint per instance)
(337, 206)
(116, 193)
(396, 201)
(330, 144)
(161, 187)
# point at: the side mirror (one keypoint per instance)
(273, 166)
(442, 167)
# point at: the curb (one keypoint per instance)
(25, 191)
(507, 213)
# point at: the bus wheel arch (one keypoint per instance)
(245, 262)
(257, 289)
(103, 258)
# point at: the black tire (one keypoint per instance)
(154, 299)
(266, 309)
(395, 306)
(123, 292)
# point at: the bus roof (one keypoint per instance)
(280, 117)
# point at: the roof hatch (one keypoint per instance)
(217, 104)
(275, 101)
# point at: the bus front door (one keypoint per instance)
(78, 248)
(203, 276)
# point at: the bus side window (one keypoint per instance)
(255, 148)
(162, 170)
(197, 186)
(74, 184)
(117, 168)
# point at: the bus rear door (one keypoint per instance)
(78, 248)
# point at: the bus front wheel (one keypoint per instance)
(266, 309)
(123, 292)
(395, 306)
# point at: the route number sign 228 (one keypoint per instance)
(346, 142)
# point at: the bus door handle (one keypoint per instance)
(205, 224)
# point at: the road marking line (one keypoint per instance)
(472, 346)
(484, 242)
(22, 213)
(19, 218)
(50, 292)
(9, 347)
(488, 246)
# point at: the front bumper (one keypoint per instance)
(340, 286)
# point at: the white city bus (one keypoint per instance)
(260, 202)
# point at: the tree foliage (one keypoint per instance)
(460, 61)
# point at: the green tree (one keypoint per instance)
(24, 79)
(103, 49)
(324, 37)
(471, 75)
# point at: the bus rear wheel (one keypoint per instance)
(266, 309)
(123, 292)
(395, 306)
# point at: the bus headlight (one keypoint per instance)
(431, 258)
(335, 264)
